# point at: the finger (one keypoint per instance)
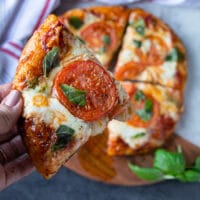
(10, 110)
(11, 150)
(4, 90)
(8, 136)
(17, 169)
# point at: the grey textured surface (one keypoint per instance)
(67, 185)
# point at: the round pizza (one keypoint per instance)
(100, 28)
(68, 96)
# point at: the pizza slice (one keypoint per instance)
(151, 52)
(100, 28)
(156, 110)
(68, 96)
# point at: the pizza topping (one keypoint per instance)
(175, 55)
(75, 96)
(137, 43)
(97, 93)
(138, 135)
(64, 136)
(50, 60)
(139, 95)
(75, 22)
(100, 37)
(33, 83)
(139, 26)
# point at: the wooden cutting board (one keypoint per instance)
(92, 161)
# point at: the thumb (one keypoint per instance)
(10, 110)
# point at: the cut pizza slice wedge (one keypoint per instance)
(151, 52)
(68, 96)
(100, 28)
(156, 110)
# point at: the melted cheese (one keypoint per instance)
(169, 70)
(127, 132)
(56, 114)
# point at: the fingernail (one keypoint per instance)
(12, 98)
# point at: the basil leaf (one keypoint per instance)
(75, 22)
(150, 174)
(138, 135)
(146, 116)
(189, 176)
(139, 26)
(74, 95)
(137, 43)
(32, 84)
(139, 95)
(148, 105)
(64, 136)
(106, 39)
(102, 50)
(175, 55)
(50, 60)
(169, 162)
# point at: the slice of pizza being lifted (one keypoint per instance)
(100, 28)
(68, 96)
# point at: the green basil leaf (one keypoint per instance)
(64, 136)
(169, 162)
(75, 22)
(106, 40)
(197, 164)
(146, 116)
(137, 43)
(74, 95)
(32, 84)
(150, 174)
(138, 135)
(148, 106)
(139, 26)
(102, 50)
(139, 95)
(50, 60)
(189, 176)
(172, 56)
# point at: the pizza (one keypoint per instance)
(156, 110)
(100, 28)
(151, 52)
(68, 96)
(153, 69)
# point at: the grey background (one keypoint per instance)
(67, 185)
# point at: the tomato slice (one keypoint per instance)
(139, 104)
(100, 36)
(129, 71)
(101, 92)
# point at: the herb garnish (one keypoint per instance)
(106, 39)
(168, 165)
(50, 60)
(139, 95)
(139, 26)
(137, 43)
(75, 22)
(175, 55)
(138, 135)
(74, 95)
(64, 135)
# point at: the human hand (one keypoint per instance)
(14, 162)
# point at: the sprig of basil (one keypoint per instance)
(50, 60)
(168, 165)
(74, 95)
(75, 22)
(139, 95)
(64, 136)
(106, 40)
(138, 135)
(137, 43)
